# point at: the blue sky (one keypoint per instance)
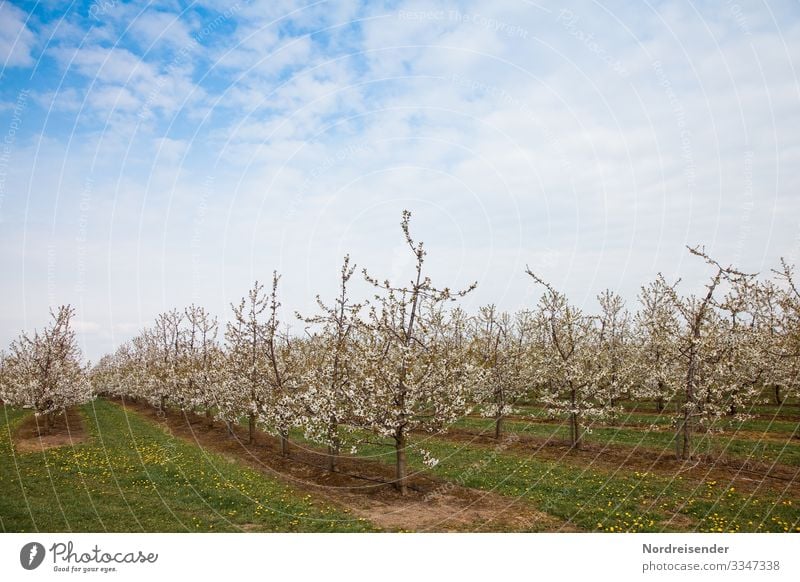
(158, 154)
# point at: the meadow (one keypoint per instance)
(129, 467)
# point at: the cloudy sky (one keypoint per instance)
(157, 154)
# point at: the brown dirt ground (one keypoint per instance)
(363, 486)
(66, 429)
(746, 477)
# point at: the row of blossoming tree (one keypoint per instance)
(44, 371)
(409, 359)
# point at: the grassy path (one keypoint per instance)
(752, 446)
(600, 498)
(132, 476)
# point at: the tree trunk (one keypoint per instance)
(229, 426)
(577, 438)
(333, 455)
(778, 397)
(686, 427)
(498, 427)
(333, 447)
(251, 428)
(400, 448)
(686, 438)
(575, 423)
(686, 435)
(209, 418)
(660, 405)
(284, 436)
(46, 430)
(163, 403)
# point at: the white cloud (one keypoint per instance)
(153, 28)
(108, 65)
(510, 149)
(16, 39)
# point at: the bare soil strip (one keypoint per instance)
(363, 486)
(66, 429)
(745, 476)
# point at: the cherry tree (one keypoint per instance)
(245, 388)
(105, 378)
(5, 387)
(500, 347)
(263, 367)
(43, 371)
(334, 372)
(747, 346)
(281, 410)
(614, 347)
(576, 381)
(163, 348)
(415, 380)
(203, 359)
(701, 345)
(785, 332)
(655, 349)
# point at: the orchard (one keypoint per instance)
(408, 369)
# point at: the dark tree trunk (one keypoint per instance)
(686, 421)
(333, 446)
(400, 449)
(686, 437)
(684, 450)
(333, 456)
(575, 429)
(284, 436)
(251, 428)
(574, 422)
(209, 418)
(778, 396)
(498, 426)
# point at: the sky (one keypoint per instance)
(158, 154)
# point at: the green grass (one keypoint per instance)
(132, 476)
(766, 441)
(595, 499)
(774, 426)
(772, 448)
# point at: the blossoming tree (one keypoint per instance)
(576, 381)
(330, 384)
(416, 382)
(501, 349)
(44, 372)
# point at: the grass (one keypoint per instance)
(133, 476)
(775, 423)
(770, 449)
(597, 499)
